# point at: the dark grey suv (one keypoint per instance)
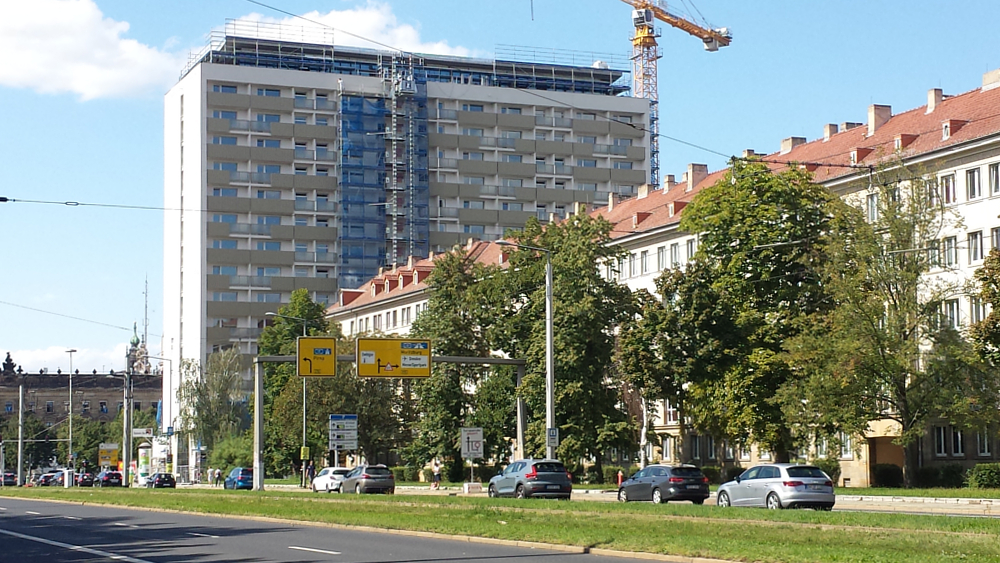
(532, 478)
(662, 483)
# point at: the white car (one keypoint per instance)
(329, 479)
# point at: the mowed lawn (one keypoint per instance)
(675, 529)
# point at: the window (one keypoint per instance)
(644, 261)
(983, 443)
(710, 447)
(472, 131)
(871, 207)
(224, 244)
(301, 171)
(586, 162)
(86, 407)
(472, 107)
(540, 136)
(219, 114)
(137, 406)
(632, 269)
(671, 413)
(269, 168)
(270, 92)
(223, 140)
(977, 312)
(584, 139)
(268, 220)
(586, 115)
(846, 452)
(623, 165)
(475, 229)
(224, 88)
(587, 186)
(994, 172)
(973, 189)
(226, 166)
(821, 447)
(9, 407)
(623, 142)
(224, 296)
(322, 222)
(268, 194)
(268, 118)
(268, 245)
(975, 241)
(511, 182)
(475, 180)
(950, 251)
(269, 143)
(103, 407)
(513, 111)
(268, 297)
(472, 204)
(661, 258)
(302, 271)
(512, 158)
(995, 237)
(957, 442)
(691, 248)
(695, 447)
(322, 121)
(623, 118)
(224, 270)
(951, 316)
(472, 156)
(224, 192)
(510, 135)
(65, 406)
(764, 454)
(744, 454)
(513, 206)
(301, 119)
(224, 218)
(948, 188)
(49, 406)
(728, 452)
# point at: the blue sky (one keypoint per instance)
(82, 89)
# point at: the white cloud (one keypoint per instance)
(84, 359)
(375, 21)
(59, 46)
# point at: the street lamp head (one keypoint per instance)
(70, 351)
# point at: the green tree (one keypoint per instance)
(986, 333)
(761, 237)
(888, 350)
(587, 309)
(211, 399)
(35, 453)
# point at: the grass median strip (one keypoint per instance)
(675, 529)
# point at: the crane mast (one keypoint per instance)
(645, 53)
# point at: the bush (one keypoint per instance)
(830, 466)
(713, 473)
(610, 474)
(412, 474)
(593, 476)
(985, 476)
(888, 475)
(486, 472)
(731, 473)
(927, 478)
(428, 475)
(398, 473)
(952, 476)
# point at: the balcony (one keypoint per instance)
(326, 155)
(250, 177)
(249, 281)
(448, 114)
(326, 105)
(449, 212)
(305, 205)
(247, 125)
(542, 168)
(317, 257)
(249, 229)
(303, 154)
(326, 257)
(493, 191)
(444, 163)
(327, 206)
(614, 150)
(244, 332)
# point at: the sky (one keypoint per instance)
(90, 75)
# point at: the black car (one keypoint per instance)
(662, 483)
(85, 479)
(9, 479)
(109, 479)
(239, 478)
(161, 481)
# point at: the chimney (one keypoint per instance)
(668, 182)
(695, 174)
(991, 80)
(643, 191)
(747, 153)
(877, 116)
(829, 130)
(848, 125)
(611, 201)
(935, 96)
(790, 143)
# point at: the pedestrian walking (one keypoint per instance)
(311, 472)
(211, 476)
(218, 477)
(436, 469)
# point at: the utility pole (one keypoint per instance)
(20, 432)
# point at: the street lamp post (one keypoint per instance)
(305, 324)
(170, 437)
(550, 378)
(69, 460)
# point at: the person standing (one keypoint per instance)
(211, 476)
(436, 469)
(311, 472)
(218, 477)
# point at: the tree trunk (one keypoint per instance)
(911, 463)
(642, 436)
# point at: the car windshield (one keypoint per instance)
(550, 468)
(686, 472)
(377, 471)
(806, 472)
(341, 472)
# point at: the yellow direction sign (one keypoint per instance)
(394, 357)
(316, 356)
(107, 454)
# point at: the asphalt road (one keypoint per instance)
(48, 532)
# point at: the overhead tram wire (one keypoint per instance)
(99, 323)
(321, 24)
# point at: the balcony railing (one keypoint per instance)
(326, 155)
(444, 162)
(326, 257)
(449, 114)
(250, 177)
(249, 281)
(303, 153)
(615, 150)
(249, 229)
(244, 332)
(247, 125)
(553, 121)
(449, 212)
(542, 168)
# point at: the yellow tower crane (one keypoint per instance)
(645, 53)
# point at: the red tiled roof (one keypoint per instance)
(480, 251)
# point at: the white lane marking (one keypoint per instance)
(124, 525)
(72, 518)
(97, 552)
(314, 550)
(202, 535)
(33, 513)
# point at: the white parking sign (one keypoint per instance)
(472, 443)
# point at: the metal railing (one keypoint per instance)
(249, 281)
(249, 229)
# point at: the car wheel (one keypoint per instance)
(826, 508)
(357, 489)
(698, 501)
(622, 495)
(657, 496)
(392, 491)
(519, 492)
(492, 492)
(773, 502)
(723, 500)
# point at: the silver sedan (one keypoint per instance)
(779, 485)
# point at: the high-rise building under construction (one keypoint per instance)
(290, 163)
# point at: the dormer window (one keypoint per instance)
(373, 290)
(945, 131)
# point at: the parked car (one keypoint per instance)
(239, 478)
(329, 479)
(108, 479)
(161, 481)
(85, 479)
(532, 478)
(779, 485)
(662, 483)
(43, 480)
(9, 479)
(369, 479)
